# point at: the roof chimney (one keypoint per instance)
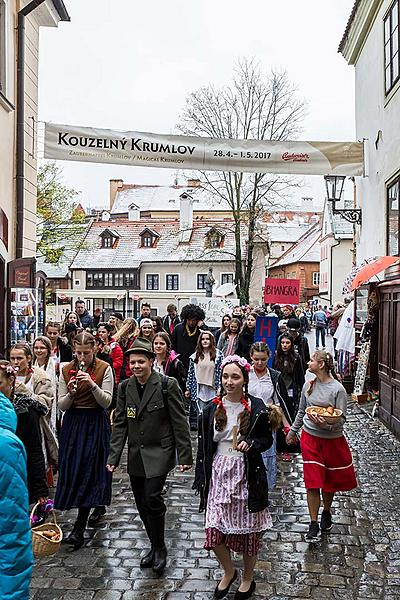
(307, 204)
(133, 213)
(185, 217)
(115, 184)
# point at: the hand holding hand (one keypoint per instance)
(184, 468)
(111, 468)
(291, 438)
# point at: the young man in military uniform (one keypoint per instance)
(150, 413)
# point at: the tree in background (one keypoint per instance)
(60, 219)
(255, 107)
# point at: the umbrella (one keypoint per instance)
(355, 269)
(371, 269)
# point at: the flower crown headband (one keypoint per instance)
(239, 360)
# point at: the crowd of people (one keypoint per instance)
(71, 401)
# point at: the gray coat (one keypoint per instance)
(155, 433)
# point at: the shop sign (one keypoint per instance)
(21, 273)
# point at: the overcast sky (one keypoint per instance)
(130, 65)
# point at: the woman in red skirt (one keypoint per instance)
(327, 461)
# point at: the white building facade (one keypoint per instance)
(371, 44)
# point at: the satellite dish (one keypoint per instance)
(224, 290)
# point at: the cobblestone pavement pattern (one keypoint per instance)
(359, 559)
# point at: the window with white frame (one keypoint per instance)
(201, 281)
(172, 282)
(315, 278)
(391, 40)
(152, 281)
(3, 48)
(226, 278)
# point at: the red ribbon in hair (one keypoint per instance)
(243, 401)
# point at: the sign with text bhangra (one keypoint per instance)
(87, 144)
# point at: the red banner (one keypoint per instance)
(281, 291)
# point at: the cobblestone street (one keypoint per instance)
(359, 559)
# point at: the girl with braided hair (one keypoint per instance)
(234, 430)
(327, 461)
(85, 392)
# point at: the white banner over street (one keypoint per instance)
(86, 144)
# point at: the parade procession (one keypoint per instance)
(199, 365)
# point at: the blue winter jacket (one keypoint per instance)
(15, 534)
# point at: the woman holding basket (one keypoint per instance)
(327, 461)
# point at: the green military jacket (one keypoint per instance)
(156, 434)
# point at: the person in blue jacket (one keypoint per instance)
(16, 557)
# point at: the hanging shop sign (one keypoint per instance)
(87, 144)
(281, 291)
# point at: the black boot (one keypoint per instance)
(76, 537)
(160, 551)
(97, 514)
(147, 560)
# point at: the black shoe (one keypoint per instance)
(147, 560)
(159, 560)
(312, 534)
(326, 520)
(244, 595)
(222, 593)
(96, 515)
(76, 537)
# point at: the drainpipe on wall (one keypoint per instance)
(21, 123)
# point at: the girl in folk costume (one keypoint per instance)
(228, 340)
(35, 382)
(125, 337)
(167, 360)
(328, 464)
(204, 372)
(85, 392)
(267, 384)
(230, 476)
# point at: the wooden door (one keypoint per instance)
(389, 357)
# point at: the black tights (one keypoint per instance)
(83, 515)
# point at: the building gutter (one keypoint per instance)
(20, 158)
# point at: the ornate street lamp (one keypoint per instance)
(334, 189)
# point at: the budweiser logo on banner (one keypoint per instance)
(295, 157)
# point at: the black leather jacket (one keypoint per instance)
(259, 439)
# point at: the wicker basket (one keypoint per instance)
(42, 545)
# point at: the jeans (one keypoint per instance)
(320, 331)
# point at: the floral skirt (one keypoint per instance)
(228, 520)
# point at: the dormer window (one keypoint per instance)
(149, 238)
(214, 239)
(109, 238)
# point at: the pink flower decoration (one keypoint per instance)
(239, 360)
